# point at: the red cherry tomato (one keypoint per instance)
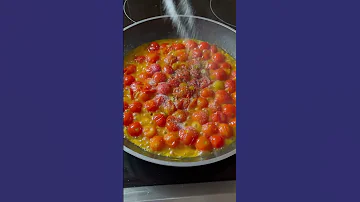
(171, 139)
(203, 45)
(128, 80)
(207, 93)
(170, 59)
(225, 130)
(214, 106)
(229, 110)
(151, 69)
(144, 96)
(190, 44)
(213, 65)
(149, 131)
(130, 69)
(217, 141)
(233, 123)
(188, 135)
(180, 115)
(218, 117)
(169, 107)
(125, 106)
(196, 53)
(218, 57)
(152, 57)
(220, 74)
(163, 88)
(225, 65)
(159, 77)
(230, 86)
(127, 118)
(200, 116)
(206, 55)
(202, 102)
(213, 49)
(153, 47)
(233, 96)
(151, 105)
(222, 97)
(182, 57)
(178, 46)
(134, 129)
(168, 69)
(160, 120)
(143, 76)
(135, 107)
(203, 144)
(157, 143)
(172, 124)
(209, 129)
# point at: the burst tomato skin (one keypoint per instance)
(134, 129)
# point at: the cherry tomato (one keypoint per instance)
(206, 55)
(153, 47)
(139, 59)
(207, 93)
(127, 118)
(200, 116)
(219, 74)
(214, 106)
(229, 110)
(222, 97)
(178, 46)
(182, 57)
(144, 96)
(213, 65)
(143, 76)
(128, 79)
(135, 107)
(233, 123)
(160, 120)
(202, 102)
(217, 141)
(172, 124)
(233, 95)
(182, 103)
(125, 106)
(174, 82)
(233, 75)
(225, 65)
(193, 103)
(188, 135)
(130, 69)
(159, 77)
(164, 46)
(190, 44)
(149, 131)
(213, 49)
(157, 143)
(169, 107)
(151, 105)
(170, 59)
(180, 115)
(171, 139)
(209, 129)
(225, 130)
(218, 57)
(196, 53)
(218, 117)
(168, 69)
(203, 45)
(163, 88)
(230, 86)
(134, 129)
(152, 57)
(203, 144)
(151, 69)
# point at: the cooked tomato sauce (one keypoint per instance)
(179, 97)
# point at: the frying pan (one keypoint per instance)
(161, 27)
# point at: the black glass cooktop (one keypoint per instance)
(138, 172)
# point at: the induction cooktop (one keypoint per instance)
(138, 172)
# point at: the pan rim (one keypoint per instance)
(175, 163)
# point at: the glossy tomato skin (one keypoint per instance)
(232, 123)
(144, 96)
(225, 130)
(172, 124)
(190, 44)
(169, 107)
(149, 131)
(222, 97)
(218, 57)
(230, 86)
(125, 106)
(127, 118)
(225, 65)
(202, 102)
(151, 105)
(218, 117)
(172, 139)
(213, 49)
(196, 53)
(182, 57)
(203, 144)
(152, 68)
(229, 110)
(168, 69)
(139, 59)
(217, 141)
(207, 93)
(135, 107)
(180, 115)
(212, 65)
(130, 69)
(200, 116)
(203, 46)
(188, 135)
(206, 55)
(152, 57)
(220, 74)
(159, 77)
(209, 129)
(178, 46)
(160, 120)
(214, 106)
(170, 59)
(157, 143)
(128, 80)
(154, 46)
(163, 88)
(134, 129)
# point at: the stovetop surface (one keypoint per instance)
(138, 172)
